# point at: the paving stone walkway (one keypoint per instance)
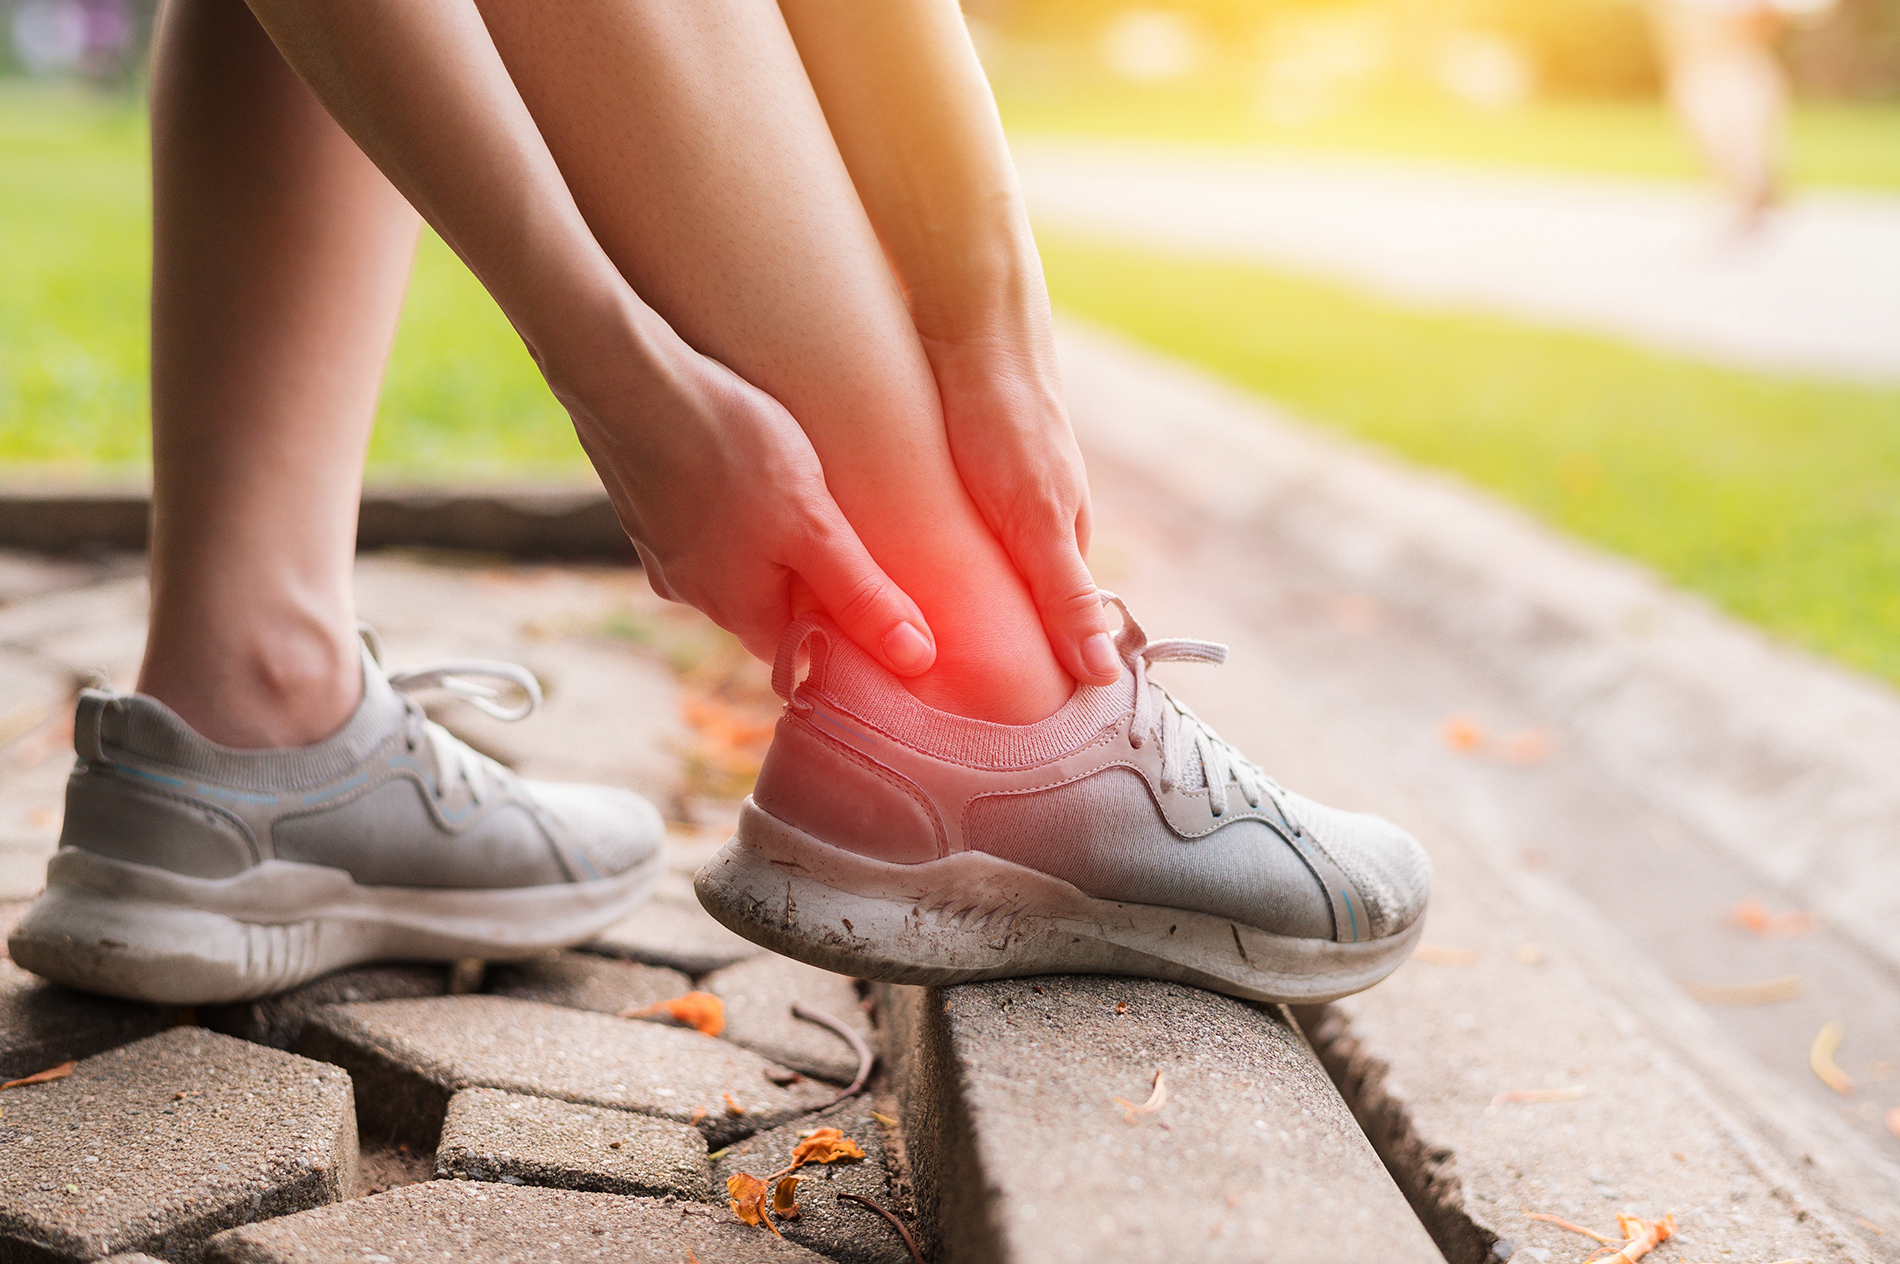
(505, 1110)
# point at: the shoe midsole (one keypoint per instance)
(282, 892)
(973, 915)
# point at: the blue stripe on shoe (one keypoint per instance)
(1352, 913)
(844, 728)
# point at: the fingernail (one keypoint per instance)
(907, 650)
(1099, 656)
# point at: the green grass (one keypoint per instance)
(1778, 498)
(1831, 144)
(462, 400)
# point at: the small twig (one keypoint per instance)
(917, 1257)
(857, 1044)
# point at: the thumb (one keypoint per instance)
(870, 608)
(1071, 609)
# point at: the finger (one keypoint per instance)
(866, 604)
(1071, 609)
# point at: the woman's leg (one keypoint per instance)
(698, 153)
(280, 257)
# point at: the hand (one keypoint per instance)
(725, 500)
(1015, 451)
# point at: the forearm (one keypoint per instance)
(420, 88)
(913, 116)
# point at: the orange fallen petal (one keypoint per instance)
(50, 1074)
(1752, 915)
(1532, 746)
(732, 1107)
(1462, 734)
(1156, 1100)
(747, 1194)
(1827, 1042)
(702, 1011)
(1644, 1236)
(826, 1145)
(785, 1198)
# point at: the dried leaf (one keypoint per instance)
(747, 1196)
(826, 1145)
(1767, 992)
(884, 1119)
(732, 1107)
(50, 1074)
(1752, 915)
(702, 1011)
(1510, 1095)
(1462, 733)
(1438, 955)
(1156, 1100)
(785, 1199)
(1827, 1042)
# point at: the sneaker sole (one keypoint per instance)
(975, 916)
(148, 934)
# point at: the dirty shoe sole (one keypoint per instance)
(149, 934)
(975, 916)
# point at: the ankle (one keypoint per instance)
(1001, 689)
(287, 689)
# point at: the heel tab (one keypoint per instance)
(89, 718)
(785, 664)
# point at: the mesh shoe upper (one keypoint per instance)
(392, 798)
(1124, 793)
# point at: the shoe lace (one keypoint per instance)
(1170, 723)
(455, 761)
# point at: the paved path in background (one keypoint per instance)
(1818, 291)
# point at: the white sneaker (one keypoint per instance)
(892, 841)
(191, 873)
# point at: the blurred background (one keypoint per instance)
(1631, 264)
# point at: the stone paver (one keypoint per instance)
(490, 1135)
(1019, 1151)
(672, 930)
(277, 1021)
(759, 994)
(582, 980)
(157, 1145)
(504, 1224)
(409, 1058)
(42, 1025)
(844, 1231)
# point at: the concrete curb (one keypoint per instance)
(570, 523)
(1013, 1097)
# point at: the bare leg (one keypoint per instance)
(279, 263)
(697, 151)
